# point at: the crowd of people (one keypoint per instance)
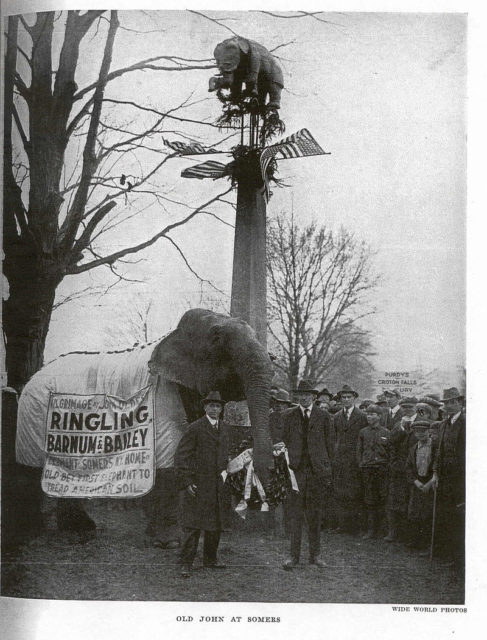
(393, 468)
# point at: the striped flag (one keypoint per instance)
(189, 148)
(297, 145)
(209, 169)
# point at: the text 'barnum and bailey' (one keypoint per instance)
(99, 445)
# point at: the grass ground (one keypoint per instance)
(121, 564)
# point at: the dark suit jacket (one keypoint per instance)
(201, 456)
(390, 421)
(450, 460)
(347, 481)
(320, 439)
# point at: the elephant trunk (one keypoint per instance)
(254, 370)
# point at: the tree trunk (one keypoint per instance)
(27, 312)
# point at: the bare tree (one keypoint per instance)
(318, 283)
(55, 211)
(134, 327)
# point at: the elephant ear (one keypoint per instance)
(171, 360)
(243, 45)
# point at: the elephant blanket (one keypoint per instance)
(120, 374)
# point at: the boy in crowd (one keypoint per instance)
(373, 458)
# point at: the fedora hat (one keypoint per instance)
(305, 386)
(213, 396)
(325, 392)
(346, 389)
(452, 394)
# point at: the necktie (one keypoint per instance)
(306, 415)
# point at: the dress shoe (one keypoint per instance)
(289, 565)
(390, 537)
(185, 572)
(214, 565)
(318, 563)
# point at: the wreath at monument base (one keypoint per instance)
(245, 485)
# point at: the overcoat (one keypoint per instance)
(320, 439)
(347, 480)
(400, 443)
(449, 462)
(201, 456)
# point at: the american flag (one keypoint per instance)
(298, 145)
(209, 169)
(188, 148)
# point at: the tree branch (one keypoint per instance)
(110, 259)
(147, 64)
(21, 131)
(161, 113)
(75, 214)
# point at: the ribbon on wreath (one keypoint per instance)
(279, 448)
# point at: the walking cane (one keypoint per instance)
(433, 527)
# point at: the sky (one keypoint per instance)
(384, 93)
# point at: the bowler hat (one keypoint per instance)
(411, 401)
(452, 394)
(213, 396)
(346, 389)
(305, 386)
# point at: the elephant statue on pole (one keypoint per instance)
(244, 61)
(207, 351)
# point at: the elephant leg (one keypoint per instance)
(71, 516)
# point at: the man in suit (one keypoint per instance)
(347, 481)
(201, 456)
(307, 434)
(394, 413)
(449, 479)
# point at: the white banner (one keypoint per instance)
(99, 445)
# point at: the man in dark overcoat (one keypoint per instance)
(201, 456)
(307, 434)
(347, 480)
(449, 478)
